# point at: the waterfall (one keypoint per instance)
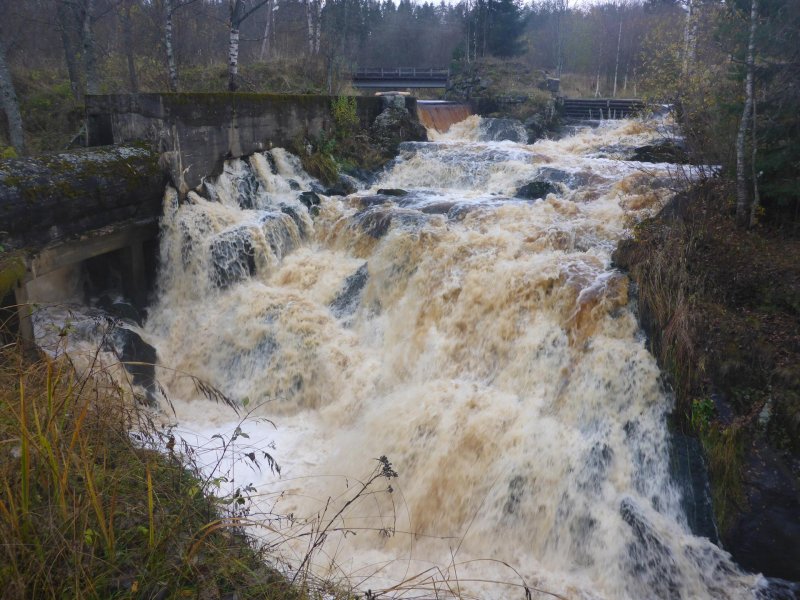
(478, 337)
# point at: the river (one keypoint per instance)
(482, 343)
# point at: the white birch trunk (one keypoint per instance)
(742, 197)
(310, 30)
(689, 39)
(756, 196)
(233, 59)
(172, 66)
(318, 28)
(267, 31)
(616, 62)
(11, 105)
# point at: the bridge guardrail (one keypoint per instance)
(400, 73)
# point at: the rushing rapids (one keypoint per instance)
(482, 341)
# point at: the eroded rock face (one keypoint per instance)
(395, 125)
(766, 537)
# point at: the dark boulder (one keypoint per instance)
(375, 221)
(392, 192)
(119, 308)
(766, 537)
(393, 126)
(665, 151)
(344, 186)
(139, 359)
(311, 201)
(535, 190)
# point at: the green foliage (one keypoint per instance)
(507, 24)
(345, 115)
(702, 414)
(8, 152)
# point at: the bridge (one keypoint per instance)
(600, 108)
(400, 77)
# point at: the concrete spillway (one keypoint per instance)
(441, 115)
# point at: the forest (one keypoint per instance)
(725, 64)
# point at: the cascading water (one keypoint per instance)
(481, 341)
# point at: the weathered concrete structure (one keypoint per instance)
(63, 209)
(196, 133)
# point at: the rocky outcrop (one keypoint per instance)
(394, 125)
(506, 89)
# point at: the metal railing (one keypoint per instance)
(401, 73)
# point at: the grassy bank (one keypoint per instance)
(722, 308)
(90, 509)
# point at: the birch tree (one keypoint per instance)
(11, 105)
(170, 8)
(743, 214)
(127, 34)
(65, 16)
(240, 10)
(88, 47)
(271, 7)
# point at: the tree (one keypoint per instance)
(67, 27)
(240, 10)
(743, 213)
(11, 104)
(88, 47)
(127, 33)
(505, 29)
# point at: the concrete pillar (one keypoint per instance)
(24, 311)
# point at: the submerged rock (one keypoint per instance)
(535, 190)
(500, 130)
(139, 359)
(311, 201)
(652, 562)
(232, 257)
(344, 186)
(348, 298)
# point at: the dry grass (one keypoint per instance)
(90, 508)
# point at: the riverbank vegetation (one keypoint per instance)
(717, 271)
(97, 501)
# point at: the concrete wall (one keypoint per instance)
(52, 197)
(197, 132)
